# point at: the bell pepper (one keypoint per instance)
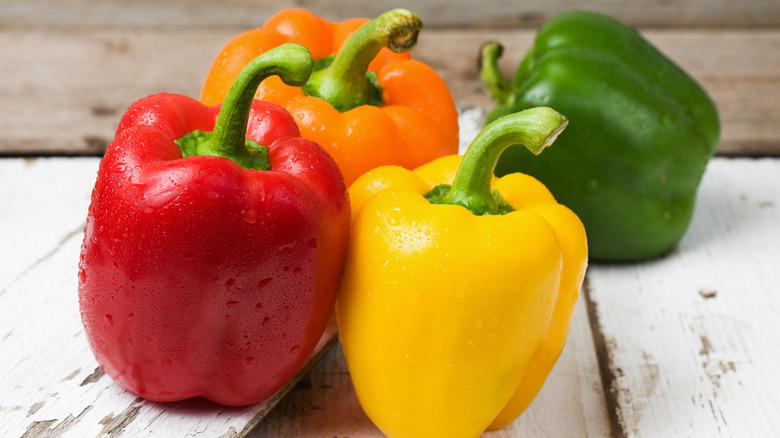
(456, 299)
(642, 131)
(214, 244)
(367, 102)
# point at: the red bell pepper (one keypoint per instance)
(210, 263)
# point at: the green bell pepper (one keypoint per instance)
(640, 135)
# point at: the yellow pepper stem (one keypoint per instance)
(534, 128)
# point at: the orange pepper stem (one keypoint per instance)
(292, 63)
(346, 83)
(534, 128)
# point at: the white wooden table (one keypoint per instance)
(684, 346)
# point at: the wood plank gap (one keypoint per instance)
(606, 365)
(271, 404)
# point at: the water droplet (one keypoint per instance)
(295, 349)
(259, 307)
(393, 219)
(266, 321)
(231, 303)
(131, 316)
(148, 210)
(249, 216)
(112, 250)
(250, 359)
(479, 324)
(264, 282)
(109, 319)
(297, 271)
(230, 282)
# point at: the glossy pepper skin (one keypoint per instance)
(451, 318)
(200, 276)
(642, 132)
(372, 105)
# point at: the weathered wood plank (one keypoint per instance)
(690, 341)
(51, 384)
(436, 13)
(63, 90)
(43, 204)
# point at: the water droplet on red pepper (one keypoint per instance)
(109, 319)
(249, 216)
(264, 282)
(295, 349)
(231, 303)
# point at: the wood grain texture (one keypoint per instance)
(687, 343)
(63, 90)
(690, 340)
(435, 13)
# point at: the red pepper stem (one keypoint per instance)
(344, 83)
(534, 128)
(291, 62)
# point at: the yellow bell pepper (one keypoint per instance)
(451, 318)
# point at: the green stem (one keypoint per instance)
(534, 128)
(292, 63)
(492, 79)
(346, 83)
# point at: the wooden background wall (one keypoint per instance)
(69, 68)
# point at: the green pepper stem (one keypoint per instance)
(292, 63)
(492, 79)
(344, 83)
(534, 128)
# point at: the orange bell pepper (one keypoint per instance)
(369, 105)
